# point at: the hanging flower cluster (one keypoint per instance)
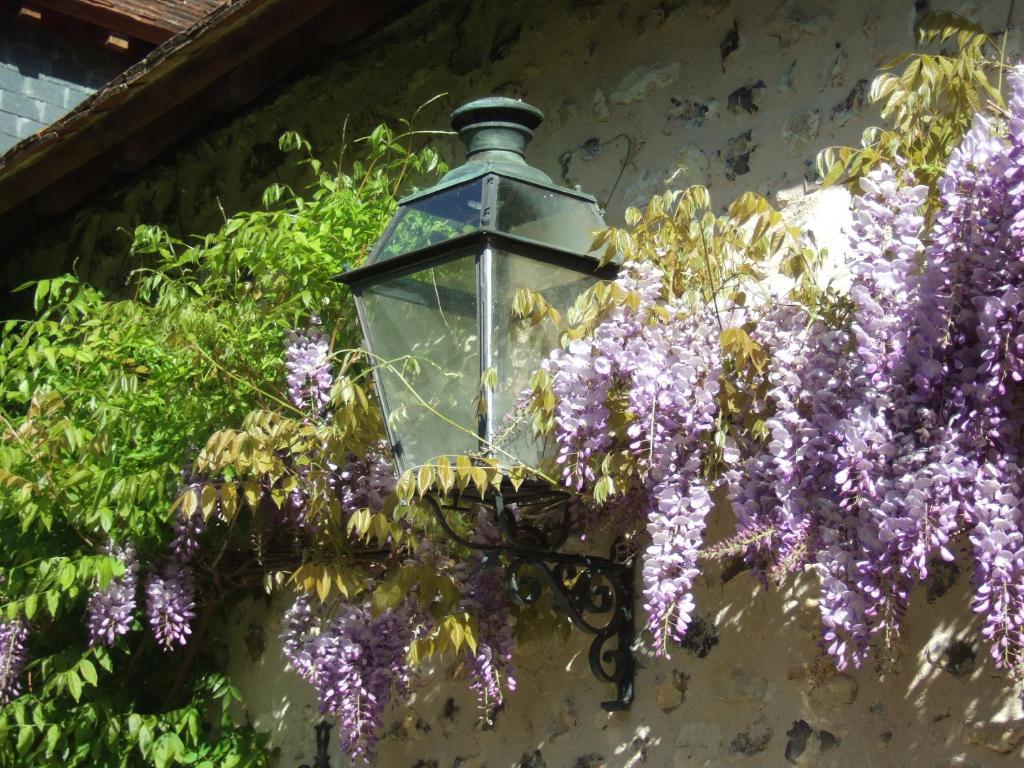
(484, 596)
(356, 662)
(171, 604)
(112, 610)
(308, 362)
(13, 658)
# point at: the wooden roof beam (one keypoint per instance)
(108, 16)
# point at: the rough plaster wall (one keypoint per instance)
(632, 91)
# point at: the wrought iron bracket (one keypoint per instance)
(323, 741)
(595, 593)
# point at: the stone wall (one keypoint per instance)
(738, 95)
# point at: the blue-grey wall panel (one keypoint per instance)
(43, 75)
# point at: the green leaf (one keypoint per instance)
(145, 742)
(74, 684)
(30, 604)
(87, 671)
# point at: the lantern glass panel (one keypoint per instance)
(519, 345)
(431, 219)
(547, 216)
(424, 334)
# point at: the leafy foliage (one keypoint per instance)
(105, 402)
(928, 106)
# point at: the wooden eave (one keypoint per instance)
(153, 21)
(214, 67)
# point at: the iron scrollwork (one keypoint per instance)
(595, 593)
(323, 741)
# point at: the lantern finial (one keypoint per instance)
(496, 124)
(496, 131)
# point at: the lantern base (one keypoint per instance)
(595, 593)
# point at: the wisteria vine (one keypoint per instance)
(885, 435)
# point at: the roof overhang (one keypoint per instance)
(214, 67)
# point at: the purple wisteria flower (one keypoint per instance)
(308, 361)
(171, 604)
(484, 596)
(366, 482)
(187, 530)
(13, 658)
(354, 661)
(669, 370)
(111, 610)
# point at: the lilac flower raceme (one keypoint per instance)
(112, 609)
(484, 596)
(354, 661)
(366, 482)
(187, 530)
(669, 371)
(308, 361)
(13, 658)
(171, 604)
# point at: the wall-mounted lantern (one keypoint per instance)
(435, 301)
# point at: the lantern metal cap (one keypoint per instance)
(496, 131)
(496, 124)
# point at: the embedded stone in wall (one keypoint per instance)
(565, 112)
(600, 106)
(786, 80)
(942, 575)
(806, 745)
(640, 82)
(739, 684)
(800, 130)
(687, 112)
(834, 74)
(532, 760)
(852, 104)
(959, 658)
(671, 693)
(701, 636)
(730, 44)
(642, 190)
(744, 98)
(836, 690)
(797, 18)
(737, 155)
(751, 741)
(798, 735)
(999, 737)
(691, 167)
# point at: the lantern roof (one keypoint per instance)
(495, 131)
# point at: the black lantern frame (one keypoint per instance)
(473, 202)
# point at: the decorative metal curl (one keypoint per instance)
(595, 593)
